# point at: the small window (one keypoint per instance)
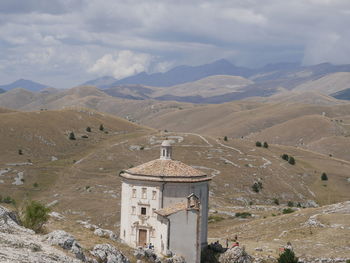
(144, 193)
(154, 195)
(143, 210)
(133, 210)
(133, 193)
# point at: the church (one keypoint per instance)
(165, 204)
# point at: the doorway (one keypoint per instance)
(142, 237)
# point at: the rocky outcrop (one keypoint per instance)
(151, 256)
(236, 254)
(65, 241)
(19, 245)
(108, 254)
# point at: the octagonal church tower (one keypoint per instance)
(165, 204)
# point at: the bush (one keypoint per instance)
(35, 185)
(285, 157)
(88, 129)
(225, 138)
(287, 256)
(291, 160)
(257, 186)
(8, 200)
(215, 218)
(287, 210)
(290, 204)
(72, 136)
(101, 127)
(276, 201)
(243, 215)
(265, 145)
(258, 144)
(324, 177)
(20, 152)
(35, 215)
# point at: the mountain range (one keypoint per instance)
(218, 82)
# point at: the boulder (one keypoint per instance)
(237, 255)
(65, 241)
(108, 254)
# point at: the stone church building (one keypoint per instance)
(165, 203)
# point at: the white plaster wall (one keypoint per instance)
(145, 221)
(183, 234)
(177, 192)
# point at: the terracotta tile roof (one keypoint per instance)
(172, 209)
(165, 168)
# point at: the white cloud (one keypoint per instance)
(121, 64)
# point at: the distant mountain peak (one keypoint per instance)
(25, 84)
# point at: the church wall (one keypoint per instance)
(184, 236)
(177, 192)
(135, 196)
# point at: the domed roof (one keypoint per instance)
(166, 143)
(165, 170)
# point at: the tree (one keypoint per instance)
(276, 201)
(257, 186)
(35, 215)
(225, 138)
(290, 204)
(71, 136)
(101, 127)
(291, 160)
(20, 152)
(324, 177)
(287, 256)
(258, 144)
(88, 129)
(265, 145)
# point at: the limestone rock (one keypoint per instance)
(65, 241)
(109, 254)
(20, 245)
(236, 254)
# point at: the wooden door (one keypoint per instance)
(142, 237)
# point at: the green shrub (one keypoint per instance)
(291, 160)
(225, 138)
(8, 200)
(285, 157)
(287, 210)
(20, 152)
(243, 215)
(88, 129)
(35, 185)
(35, 215)
(276, 201)
(101, 127)
(215, 218)
(258, 144)
(265, 145)
(287, 256)
(290, 204)
(71, 136)
(257, 186)
(324, 177)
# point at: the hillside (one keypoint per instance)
(78, 177)
(303, 97)
(206, 87)
(328, 84)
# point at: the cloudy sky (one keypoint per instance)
(66, 42)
